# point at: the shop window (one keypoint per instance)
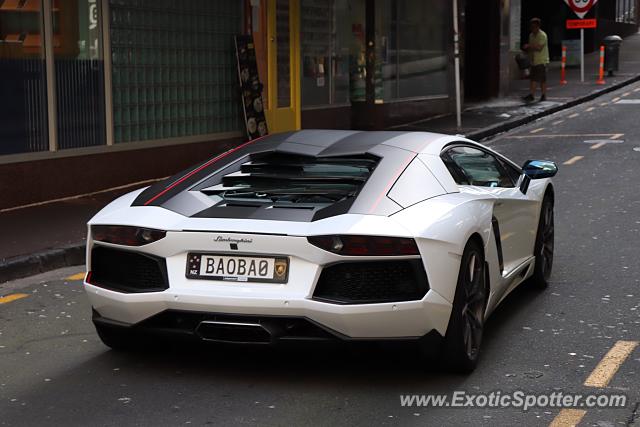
(23, 105)
(79, 74)
(174, 71)
(411, 48)
(332, 48)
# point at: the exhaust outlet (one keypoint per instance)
(233, 332)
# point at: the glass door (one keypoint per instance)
(283, 53)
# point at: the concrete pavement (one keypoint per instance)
(43, 237)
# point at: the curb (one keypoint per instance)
(494, 130)
(40, 262)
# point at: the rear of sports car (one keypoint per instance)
(266, 249)
(271, 287)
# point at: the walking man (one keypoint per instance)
(538, 49)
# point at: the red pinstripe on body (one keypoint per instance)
(193, 172)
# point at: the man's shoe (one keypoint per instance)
(543, 98)
(528, 98)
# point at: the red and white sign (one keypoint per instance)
(575, 24)
(581, 7)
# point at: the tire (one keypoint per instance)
(118, 339)
(543, 249)
(461, 347)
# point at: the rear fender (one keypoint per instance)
(442, 227)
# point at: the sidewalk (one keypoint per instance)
(486, 119)
(40, 238)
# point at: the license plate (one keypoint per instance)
(237, 268)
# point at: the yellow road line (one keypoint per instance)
(573, 160)
(590, 109)
(626, 94)
(537, 130)
(574, 115)
(79, 276)
(602, 104)
(508, 235)
(12, 297)
(557, 122)
(568, 418)
(615, 100)
(617, 135)
(610, 363)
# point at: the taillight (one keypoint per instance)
(365, 245)
(125, 235)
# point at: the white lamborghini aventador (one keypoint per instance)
(323, 234)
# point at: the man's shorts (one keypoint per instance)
(539, 73)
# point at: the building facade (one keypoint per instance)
(353, 63)
(102, 93)
(615, 17)
(493, 32)
(97, 94)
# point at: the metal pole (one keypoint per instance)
(582, 55)
(456, 60)
(50, 70)
(105, 19)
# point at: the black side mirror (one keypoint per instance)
(537, 169)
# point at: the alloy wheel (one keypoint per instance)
(473, 309)
(546, 247)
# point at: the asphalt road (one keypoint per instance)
(54, 370)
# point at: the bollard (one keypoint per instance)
(563, 80)
(600, 80)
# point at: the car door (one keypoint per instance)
(482, 172)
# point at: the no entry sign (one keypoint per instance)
(581, 7)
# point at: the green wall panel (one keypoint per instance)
(173, 68)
